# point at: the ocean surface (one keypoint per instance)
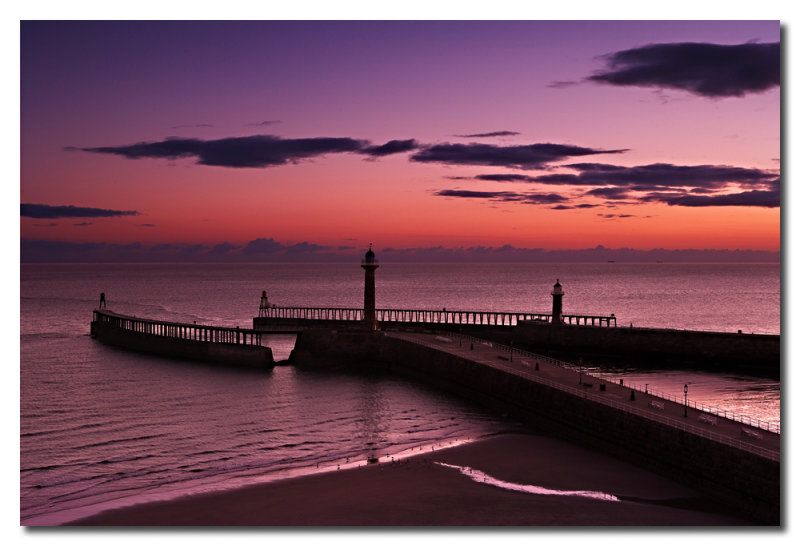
(102, 427)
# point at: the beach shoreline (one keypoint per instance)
(435, 489)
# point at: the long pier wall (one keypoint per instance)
(744, 481)
(230, 354)
(757, 353)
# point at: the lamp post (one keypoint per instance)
(686, 400)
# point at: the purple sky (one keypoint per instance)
(210, 138)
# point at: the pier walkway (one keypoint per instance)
(756, 437)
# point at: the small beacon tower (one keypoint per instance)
(557, 294)
(370, 264)
(263, 307)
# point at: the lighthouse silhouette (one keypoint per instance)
(370, 264)
(557, 294)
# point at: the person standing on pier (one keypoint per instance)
(102, 300)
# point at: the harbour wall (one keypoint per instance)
(745, 482)
(230, 354)
(721, 351)
(754, 354)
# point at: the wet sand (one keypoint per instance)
(419, 492)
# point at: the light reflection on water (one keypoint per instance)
(482, 477)
(741, 395)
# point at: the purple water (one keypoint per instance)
(104, 427)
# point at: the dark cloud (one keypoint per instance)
(81, 224)
(264, 123)
(578, 206)
(506, 196)
(681, 185)
(506, 177)
(31, 210)
(709, 70)
(561, 84)
(477, 194)
(391, 147)
(532, 156)
(146, 225)
(192, 250)
(601, 254)
(489, 135)
(237, 152)
(615, 215)
(755, 198)
(263, 246)
(60, 251)
(305, 248)
(165, 247)
(657, 175)
(201, 125)
(223, 248)
(609, 193)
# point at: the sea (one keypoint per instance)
(101, 427)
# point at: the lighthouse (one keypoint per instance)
(370, 264)
(557, 294)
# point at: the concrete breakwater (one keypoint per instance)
(745, 480)
(228, 346)
(752, 353)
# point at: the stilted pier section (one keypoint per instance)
(300, 318)
(229, 346)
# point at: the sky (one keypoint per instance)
(433, 140)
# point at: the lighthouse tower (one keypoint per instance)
(370, 264)
(263, 307)
(557, 294)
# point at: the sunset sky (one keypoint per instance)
(309, 140)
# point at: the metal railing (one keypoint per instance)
(427, 316)
(179, 330)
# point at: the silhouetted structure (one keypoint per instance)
(557, 293)
(370, 264)
(264, 305)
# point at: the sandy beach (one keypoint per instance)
(422, 491)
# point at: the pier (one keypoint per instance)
(276, 318)
(292, 316)
(736, 462)
(232, 346)
(733, 459)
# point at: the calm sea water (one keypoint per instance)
(103, 427)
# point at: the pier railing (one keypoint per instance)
(511, 351)
(428, 316)
(179, 330)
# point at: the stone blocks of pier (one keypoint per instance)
(714, 350)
